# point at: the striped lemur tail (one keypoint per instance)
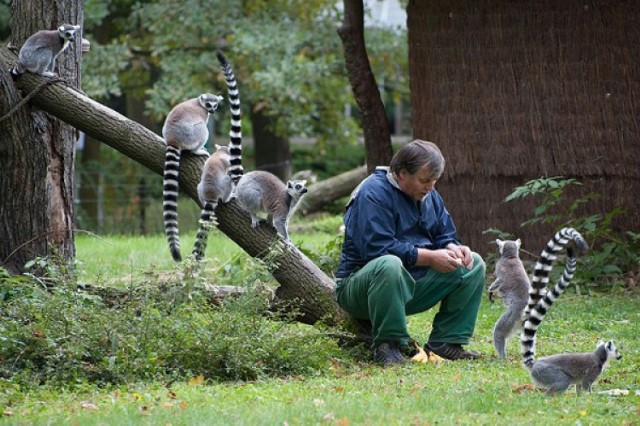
(235, 131)
(170, 200)
(539, 300)
(543, 266)
(223, 170)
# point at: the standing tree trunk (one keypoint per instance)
(271, 151)
(36, 180)
(377, 136)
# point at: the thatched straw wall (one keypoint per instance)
(515, 90)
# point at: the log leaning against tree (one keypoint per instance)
(326, 191)
(302, 283)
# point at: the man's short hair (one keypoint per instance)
(415, 155)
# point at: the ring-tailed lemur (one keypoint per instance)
(555, 373)
(184, 129)
(39, 52)
(512, 285)
(215, 186)
(235, 131)
(223, 169)
(517, 300)
(260, 190)
(544, 263)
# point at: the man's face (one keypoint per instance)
(417, 185)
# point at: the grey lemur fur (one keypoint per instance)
(512, 285)
(39, 52)
(555, 373)
(260, 190)
(223, 169)
(185, 128)
(215, 186)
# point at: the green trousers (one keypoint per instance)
(384, 292)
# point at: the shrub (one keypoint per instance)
(59, 334)
(610, 257)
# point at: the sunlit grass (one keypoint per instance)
(354, 391)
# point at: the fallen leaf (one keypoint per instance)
(523, 388)
(167, 404)
(457, 377)
(183, 404)
(198, 380)
(328, 416)
(172, 394)
(88, 405)
(425, 357)
(8, 413)
(343, 422)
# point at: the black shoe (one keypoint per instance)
(451, 351)
(388, 354)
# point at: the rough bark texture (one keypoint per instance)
(301, 281)
(327, 191)
(512, 91)
(36, 185)
(377, 136)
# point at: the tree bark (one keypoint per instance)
(327, 191)
(377, 136)
(36, 181)
(301, 281)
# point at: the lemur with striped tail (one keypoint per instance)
(185, 129)
(555, 373)
(512, 282)
(543, 265)
(512, 285)
(223, 169)
(40, 51)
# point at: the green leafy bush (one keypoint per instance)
(611, 256)
(56, 333)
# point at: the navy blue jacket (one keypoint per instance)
(381, 219)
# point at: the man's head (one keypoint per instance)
(417, 166)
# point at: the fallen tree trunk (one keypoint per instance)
(327, 191)
(302, 283)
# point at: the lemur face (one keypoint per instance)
(210, 102)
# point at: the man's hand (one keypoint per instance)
(442, 260)
(463, 253)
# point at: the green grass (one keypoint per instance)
(128, 258)
(353, 391)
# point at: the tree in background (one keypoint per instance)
(37, 152)
(285, 56)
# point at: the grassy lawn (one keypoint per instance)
(352, 391)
